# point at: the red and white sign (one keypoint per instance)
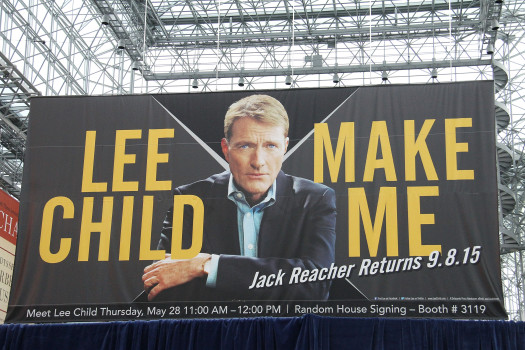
(8, 234)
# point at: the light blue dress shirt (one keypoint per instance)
(248, 221)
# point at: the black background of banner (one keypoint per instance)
(465, 211)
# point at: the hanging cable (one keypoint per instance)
(370, 42)
(293, 30)
(145, 26)
(218, 46)
(450, 38)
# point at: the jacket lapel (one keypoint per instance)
(221, 234)
(275, 217)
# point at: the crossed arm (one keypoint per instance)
(307, 242)
(169, 272)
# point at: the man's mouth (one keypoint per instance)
(256, 175)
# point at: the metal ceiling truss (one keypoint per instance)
(510, 115)
(15, 91)
(212, 40)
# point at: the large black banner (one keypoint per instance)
(386, 205)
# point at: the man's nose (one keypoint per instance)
(257, 159)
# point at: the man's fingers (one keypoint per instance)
(150, 282)
(152, 294)
(169, 273)
(150, 267)
(155, 265)
(159, 263)
(154, 291)
(148, 274)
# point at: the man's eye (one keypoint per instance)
(271, 146)
(243, 146)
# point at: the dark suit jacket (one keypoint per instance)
(298, 230)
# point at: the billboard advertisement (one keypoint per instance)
(376, 201)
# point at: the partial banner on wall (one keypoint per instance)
(386, 206)
(8, 236)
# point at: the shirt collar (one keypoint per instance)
(237, 196)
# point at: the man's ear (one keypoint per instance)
(225, 149)
(286, 141)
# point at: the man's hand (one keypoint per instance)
(170, 272)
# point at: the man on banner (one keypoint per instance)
(259, 223)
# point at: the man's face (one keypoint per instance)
(255, 154)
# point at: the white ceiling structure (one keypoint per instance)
(110, 47)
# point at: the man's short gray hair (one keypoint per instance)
(262, 108)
